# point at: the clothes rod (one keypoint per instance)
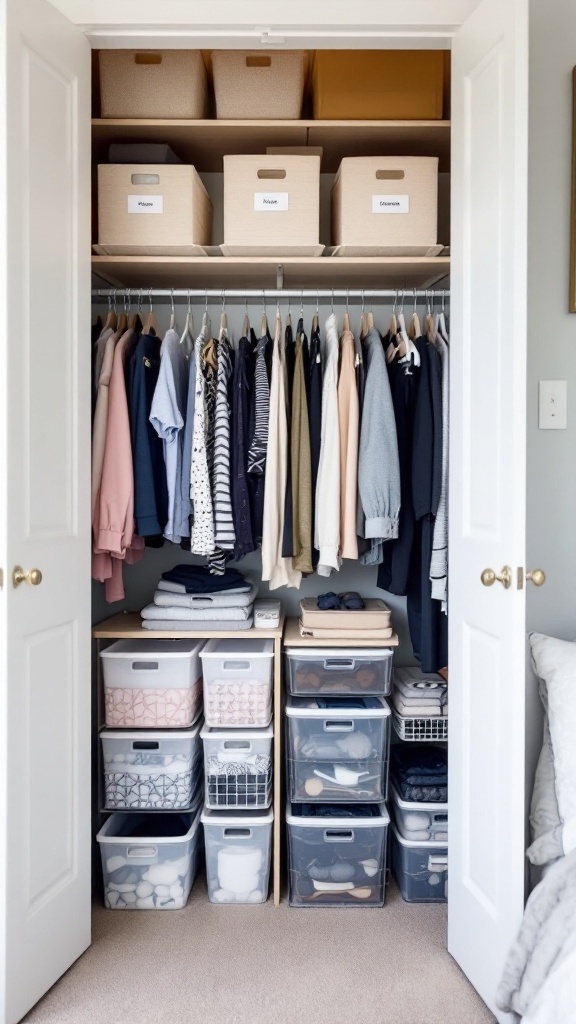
(404, 294)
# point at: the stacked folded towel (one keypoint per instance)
(420, 773)
(418, 695)
(188, 597)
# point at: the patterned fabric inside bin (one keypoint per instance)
(146, 779)
(242, 783)
(152, 708)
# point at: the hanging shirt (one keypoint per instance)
(378, 466)
(187, 344)
(315, 421)
(224, 536)
(167, 418)
(259, 441)
(276, 569)
(150, 489)
(241, 507)
(348, 419)
(202, 539)
(299, 457)
(290, 357)
(439, 560)
(101, 410)
(327, 523)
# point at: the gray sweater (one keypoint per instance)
(378, 465)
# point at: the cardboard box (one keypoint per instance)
(272, 205)
(378, 84)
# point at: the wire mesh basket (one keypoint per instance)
(421, 729)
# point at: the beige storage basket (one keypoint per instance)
(152, 209)
(252, 84)
(386, 206)
(272, 206)
(153, 83)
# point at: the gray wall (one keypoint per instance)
(551, 458)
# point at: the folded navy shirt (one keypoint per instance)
(197, 579)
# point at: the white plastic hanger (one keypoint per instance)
(223, 333)
(346, 322)
(264, 320)
(412, 355)
(246, 324)
(187, 339)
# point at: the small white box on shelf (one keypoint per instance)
(152, 210)
(152, 684)
(272, 206)
(156, 770)
(237, 768)
(253, 84)
(149, 861)
(153, 83)
(386, 206)
(237, 855)
(237, 683)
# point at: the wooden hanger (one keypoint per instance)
(112, 318)
(150, 324)
(123, 320)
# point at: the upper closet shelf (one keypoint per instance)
(204, 143)
(269, 272)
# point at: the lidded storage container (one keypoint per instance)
(237, 683)
(421, 869)
(237, 767)
(386, 206)
(337, 859)
(258, 85)
(338, 749)
(149, 861)
(159, 771)
(163, 209)
(378, 84)
(272, 205)
(237, 855)
(420, 821)
(153, 83)
(152, 684)
(340, 671)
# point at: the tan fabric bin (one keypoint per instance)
(378, 84)
(162, 208)
(153, 83)
(375, 615)
(386, 206)
(272, 205)
(253, 84)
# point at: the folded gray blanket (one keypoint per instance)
(168, 596)
(179, 588)
(158, 613)
(186, 625)
(546, 939)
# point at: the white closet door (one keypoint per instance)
(45, 700)
(487, 482)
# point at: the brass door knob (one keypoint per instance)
(538, 577)
(33, 576)
(489, 577)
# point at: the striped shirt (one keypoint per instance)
(259, 442)
(224, 535)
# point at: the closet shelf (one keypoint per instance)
(128, 626)
(204, 143)
(292, 638)
(261, 271)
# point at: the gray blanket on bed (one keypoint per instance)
(546, 939)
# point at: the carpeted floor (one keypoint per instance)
(258, 965)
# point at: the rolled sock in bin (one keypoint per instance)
(423, 794)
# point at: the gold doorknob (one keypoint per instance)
(489, 577)
(33, 576)
(538, 577)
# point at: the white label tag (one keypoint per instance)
(271, 201)
(145, 204)
(390, 204)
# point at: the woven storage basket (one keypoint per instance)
(153, 83)
(252, 84)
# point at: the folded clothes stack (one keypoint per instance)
(337, 616)
(419, 773)
(419, 695)
(189, 597)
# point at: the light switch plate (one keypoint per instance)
(552, 405)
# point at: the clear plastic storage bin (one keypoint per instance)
(237, 767)
(337, 861)
(421, 869)
(237, 855)
(338, 671)
(338, 749)
(420, 821)
(152, 684)
(237, 683)
(152, 771)
(149, 861)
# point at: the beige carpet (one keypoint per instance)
(258, 965)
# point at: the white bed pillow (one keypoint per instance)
(555, 665)
(545, 824)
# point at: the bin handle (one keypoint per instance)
(141, 851)
(334, 835)
(235, 666)
(237, 745)
(145, 179)
(338, 726)
(439, 819)
(390, 175)
(257, 61)
(145, 745)
(437, 862)
(339, 664)
(237, 833)
(147, 58)
(144, 666)
(271, 173)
